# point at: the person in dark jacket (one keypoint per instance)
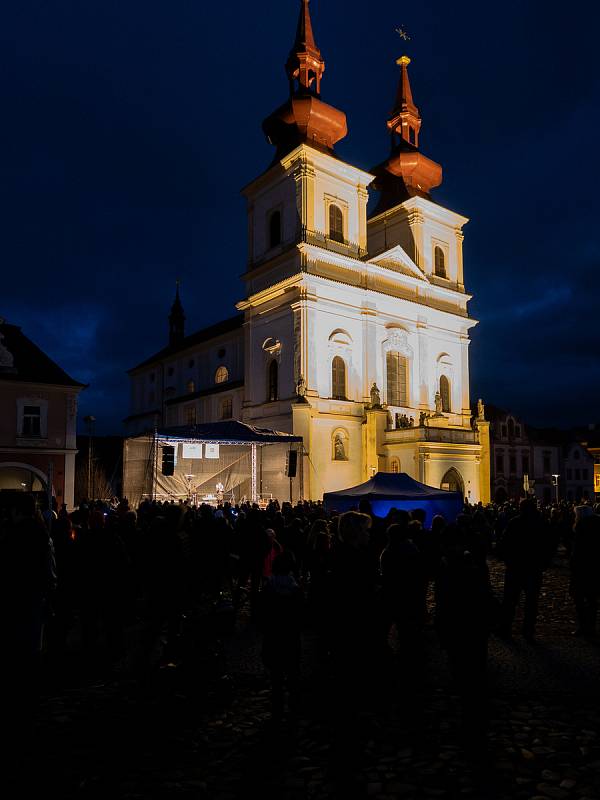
(465, 612)
(280, 615)
(585, 570)
(527, 550)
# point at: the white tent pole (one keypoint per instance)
(254, 473)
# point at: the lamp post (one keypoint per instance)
(89, 421)
(555, 483)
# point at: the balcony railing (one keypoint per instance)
(431, 434)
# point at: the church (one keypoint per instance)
(353, 329)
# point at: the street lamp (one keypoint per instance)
(89, 421)
(555, 483)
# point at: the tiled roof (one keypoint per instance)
(22, 360)
(204, 335)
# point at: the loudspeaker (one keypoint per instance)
(291, 462)
(168, 460)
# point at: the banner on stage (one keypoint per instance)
(211, 450)
(192, 450)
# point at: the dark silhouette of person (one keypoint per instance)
(280, 618)
(527, 550)
(403, 572)
(465, 611)
(585, 570)
(27, 582)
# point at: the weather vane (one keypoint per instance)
(402, 34)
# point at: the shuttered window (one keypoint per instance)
(440, 262)
(338, 378)
(336, 223)
(272, 381)
(445, 393)
(397, 384)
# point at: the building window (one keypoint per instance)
(511, 428)
(275, 229)
(32, 421)
(340, 445)
(500, 463)
(503, 431)
(577, 474)
(576, 454)
(151, 397)
(152, 377)
(547, 466)
(397, 383)
(512, 463)
(518, 431)
(336, 223)
(221, 352)
(338, 378)
(584, 474)
(272, 381)
(221, 375)
(439, 262)
(525, 463)
(226, 408)
(569, 474)
(190, 415)
(395, 466)
(170, 371)
(191, 387)
(445, 393)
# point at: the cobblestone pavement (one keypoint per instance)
(109, 739)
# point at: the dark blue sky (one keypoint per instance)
(129, 128)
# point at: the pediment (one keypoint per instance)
(398, 260)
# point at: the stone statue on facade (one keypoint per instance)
(438, 404)
(480, 410)
(339, 448)
(375, 396)
(301, 390)
(422, 418)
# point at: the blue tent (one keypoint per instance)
(387, 490)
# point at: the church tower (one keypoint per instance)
(176, 320)
(369, 317)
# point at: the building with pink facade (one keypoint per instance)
(38, 420)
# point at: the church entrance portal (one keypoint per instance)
(453, 482)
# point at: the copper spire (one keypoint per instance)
(405, 119)
(304, 117)
(305, 66)
(406, 172)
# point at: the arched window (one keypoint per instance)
(339, 442)
(440, 262)
(511, 428)
(275, 229)
(221, 375)
(445, 393)
(395, 466)
(272, 381)
(397, 383)
(338, 378)
(336, 223)
(226, 408)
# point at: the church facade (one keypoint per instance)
(353, 331)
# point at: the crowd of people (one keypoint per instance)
(366, 587)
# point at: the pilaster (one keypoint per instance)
(373, 437)
(485, 485)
